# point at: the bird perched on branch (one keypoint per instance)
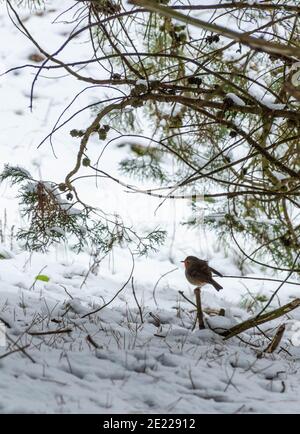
(199, 273)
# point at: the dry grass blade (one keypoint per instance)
(14, 351)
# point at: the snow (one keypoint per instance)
(141, 83)
(135, 366)
(273, 106)
(236, 99)
(121, 359)
(264, 98)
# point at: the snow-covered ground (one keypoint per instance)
(138, 354)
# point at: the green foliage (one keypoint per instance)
(271, 236)
(53, 219)
(15, 174)
(174, 82)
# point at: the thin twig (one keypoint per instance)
(92, 342)
(50, 332)
(14, 351)
(22, 349)
(262, 278)
(161, 277)
(242, 38)
(115, 296)
(280, 286)
(187, 299)
(270, 339)
(66, 291)
(208, 310)
(35, 279)
(155, 318)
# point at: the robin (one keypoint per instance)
(199, 273)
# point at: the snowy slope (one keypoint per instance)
(144, 367)
(153, 361)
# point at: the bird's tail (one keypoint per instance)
(216, 285)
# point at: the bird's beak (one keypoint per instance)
(182, 261)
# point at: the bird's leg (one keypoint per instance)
(197, 292)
